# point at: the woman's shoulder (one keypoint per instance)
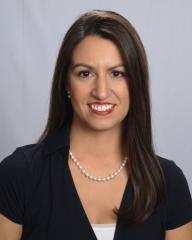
(18, 172)
(178, 198)
(170, 168)
(24, 162)
(22, 155)
(35, 155)
(173, 174)
(165, 162)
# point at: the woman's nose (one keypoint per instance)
(101, 89)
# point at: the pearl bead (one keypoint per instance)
(94, 178)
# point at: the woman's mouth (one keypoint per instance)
(101, 108)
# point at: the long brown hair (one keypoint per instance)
(145, 172)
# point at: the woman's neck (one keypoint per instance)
(96, 145)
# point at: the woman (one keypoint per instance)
(94, 174)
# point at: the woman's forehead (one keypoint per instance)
(95, 51)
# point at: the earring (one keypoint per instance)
(68, 94)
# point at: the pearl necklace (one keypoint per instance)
(97, 179)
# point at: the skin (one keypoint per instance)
(9, 230)
(180, 233)
(98, 82)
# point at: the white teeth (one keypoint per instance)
(101, 108)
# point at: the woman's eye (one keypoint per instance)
(83, 74)
(118, 74)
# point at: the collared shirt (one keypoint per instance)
(37, 191)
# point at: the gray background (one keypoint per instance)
(31, 32)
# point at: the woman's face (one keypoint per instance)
(97, 84)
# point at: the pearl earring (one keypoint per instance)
(68, 94)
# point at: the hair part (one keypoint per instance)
(144, 169)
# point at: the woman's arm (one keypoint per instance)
(9, 230)
(181, 233)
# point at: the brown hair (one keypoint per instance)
(145, 172)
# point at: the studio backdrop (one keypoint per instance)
(31, 32)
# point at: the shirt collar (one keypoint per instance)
(58, 140)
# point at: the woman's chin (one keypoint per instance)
(103, 126)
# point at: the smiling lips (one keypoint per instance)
(101, 108)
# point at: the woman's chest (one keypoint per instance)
(99, 199)
(56, 211)
(67, 219)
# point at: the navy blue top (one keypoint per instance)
(37, 190)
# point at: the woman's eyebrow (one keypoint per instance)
(81, 65)
(118, 65)
(91, 67)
